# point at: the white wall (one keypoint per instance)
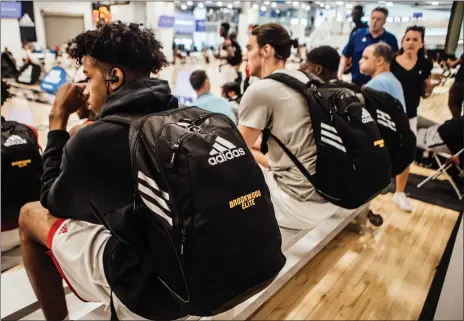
(166, 36)
(76, 8)
(124, 12)
(11, 38)
(135, 11)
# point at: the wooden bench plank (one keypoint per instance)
(22, 301)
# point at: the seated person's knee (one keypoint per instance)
(26, 213)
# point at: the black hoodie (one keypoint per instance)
(89, 178)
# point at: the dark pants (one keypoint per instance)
(456, 98)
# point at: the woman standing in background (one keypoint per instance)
(413, 71)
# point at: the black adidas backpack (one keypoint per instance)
(352, 164)
(21, 168)
(394, 128)
(213, 235)
(29, 74)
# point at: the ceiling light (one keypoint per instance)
(348, 6)
(209, 2)
(274, 5)
(435, 3)
(389, 4)
(267, 3)
(296, 4)
(201, 5)
(183, 7)
(230, 6)
(236, 2)
(303, 6)
(219, 3)
(190, 3)
(340, 3)
(255, 6)
(263, 8)
(327, 6)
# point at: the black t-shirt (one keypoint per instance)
(236, 59)
(460, 74)
(413, 82)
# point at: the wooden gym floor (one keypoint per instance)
(383, 276)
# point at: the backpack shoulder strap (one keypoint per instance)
(267, 134)
(288, 80)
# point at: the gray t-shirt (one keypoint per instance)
(273, 105)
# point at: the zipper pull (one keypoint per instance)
(134, 196)
(183, 240)
(175, 150)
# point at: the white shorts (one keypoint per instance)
(76, 248)
(294, 214)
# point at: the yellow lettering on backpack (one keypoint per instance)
(380, 143)
(21, 163)
(245, 201)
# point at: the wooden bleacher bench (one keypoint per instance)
(20, 302)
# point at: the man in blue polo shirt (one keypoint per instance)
(362, 39)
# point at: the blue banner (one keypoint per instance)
(200, 25)
(10, 9)
(166, 22)
(53, 80)
(184, 23)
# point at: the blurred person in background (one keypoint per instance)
(205, 99)
(356, 15)
(456, 93)
(376, 62)
(413, 71)
(361, 40)
(232, 92)
(231, 52)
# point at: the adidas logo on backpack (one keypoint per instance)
(15, 140)
(223, 151)
(366, 117)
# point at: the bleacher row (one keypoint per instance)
(298, 246)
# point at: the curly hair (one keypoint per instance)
(5, 92)
(120, 44)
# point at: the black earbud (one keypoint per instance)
(112, 78)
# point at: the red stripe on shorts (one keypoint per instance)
(58, 267)
(51, 233)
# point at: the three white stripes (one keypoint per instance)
(221, 146)
(160, 201)
(385, 120)
(329, 135)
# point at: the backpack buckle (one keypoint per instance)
(194, 128)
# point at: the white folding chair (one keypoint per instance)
(443, 168)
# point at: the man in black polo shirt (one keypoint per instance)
(361, 40)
